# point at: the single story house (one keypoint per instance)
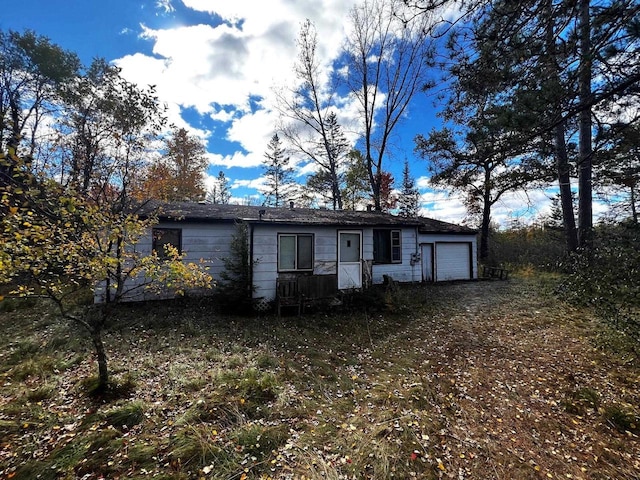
(345, 249)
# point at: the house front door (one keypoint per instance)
(349, 260)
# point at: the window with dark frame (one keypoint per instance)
(295, 252)
(387, 246)
(166, 236)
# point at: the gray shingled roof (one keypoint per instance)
(201, 212)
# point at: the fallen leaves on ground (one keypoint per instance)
(467, 380)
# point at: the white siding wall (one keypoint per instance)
(265, 254)
(402, 272)
(207, 241)
(453, 269)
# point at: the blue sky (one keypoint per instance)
(216, 64)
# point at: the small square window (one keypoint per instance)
(295, 252)
(166, 236)
(387, 246)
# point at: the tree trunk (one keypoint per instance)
(564, 184)
(634, 211)
(375, 181)
(585, 193)
(559, 141)
(486, 220)
(95, 324)
(338, 196)
(335, 187)
(103, 372)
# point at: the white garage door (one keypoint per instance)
(453, 261)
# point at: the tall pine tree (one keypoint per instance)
(220, 193)
(409, 198)
(547, 68)
(356, 189)
(279, 186)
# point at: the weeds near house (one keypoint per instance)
(473, 380)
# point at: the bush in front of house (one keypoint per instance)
(234, 290)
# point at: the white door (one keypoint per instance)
(349, 260)
(453, 261)
(426, 254)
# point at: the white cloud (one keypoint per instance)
(222, 115)
(237, 159)
(440, 205)
(165, 6)
(253, 132)
(220, 70)
(449, 206)
(227, 72)
(308, 168)
(423, 182)
(255, 184)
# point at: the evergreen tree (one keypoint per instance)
(554, 219)
(336, 147)
(409, 198)
(321, 184)
(235, 288)
(356, 188)
(220, 193)
(618, 169)
(279, 183)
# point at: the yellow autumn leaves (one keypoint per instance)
(60, 240)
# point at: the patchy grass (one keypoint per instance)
(495, 380)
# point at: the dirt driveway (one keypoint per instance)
(521, 390)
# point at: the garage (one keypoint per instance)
(453, 261)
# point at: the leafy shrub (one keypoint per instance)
(531, 246)
(581, 400)
(606, 278)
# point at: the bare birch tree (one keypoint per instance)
(310, 123)
(387, 55)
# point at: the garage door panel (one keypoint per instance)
(453, 261)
